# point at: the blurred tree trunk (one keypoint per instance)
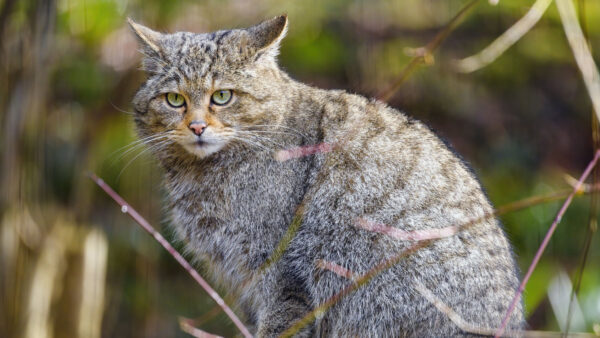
(25, 47)
(26, 51)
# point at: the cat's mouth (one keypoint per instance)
(205, 142)
(203, 147)
(202, 143)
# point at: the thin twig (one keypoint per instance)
(285, 241)
(210, 314)
(297, 152)
(572, 181)
(336, 268)
(439, 233)
(358, 282)
(426, 293)
(185, 324)
(591, 230)
(126, 208)
(545, 242)
(593, 213)
(535, 200)
(580, 49)
(416, 235)
(470, 328)
(450, 313)
(490, 53)
(425, 53)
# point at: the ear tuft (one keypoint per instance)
(147, 37)
(269, 33)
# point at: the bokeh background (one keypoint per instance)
(73, 265)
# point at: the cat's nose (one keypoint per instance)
(197, 127)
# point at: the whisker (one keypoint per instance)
(150, 148)
(275, 126)
(261, 138)
(266, 142)
(265, 133)
(136, 144)
(253, 143)
(249, 142)
(121, 110)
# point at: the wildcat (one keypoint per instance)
(217, 112)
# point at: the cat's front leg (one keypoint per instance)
(286, 304)
(282, 316)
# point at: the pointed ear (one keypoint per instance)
(147, 37)
(150, 43)
(267, 35)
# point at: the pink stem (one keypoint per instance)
(126, 208)
(545, 242)
(297, 152)
(416, 235)
(336, 268)
(186, 325)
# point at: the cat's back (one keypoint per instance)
(378, 149)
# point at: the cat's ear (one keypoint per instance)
(267, 35)
(150, 43)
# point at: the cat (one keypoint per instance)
(291, 193)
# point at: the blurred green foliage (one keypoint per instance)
(521, 122)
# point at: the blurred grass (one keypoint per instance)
(69, 70)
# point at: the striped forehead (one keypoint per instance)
(195, 55)
(192, 54)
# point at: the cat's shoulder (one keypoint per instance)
(342, 109)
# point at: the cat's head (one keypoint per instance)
(205, 91)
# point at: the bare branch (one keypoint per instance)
(335, 268)
(470, 328)
(545, 242)
(285, 241)
(453, 316)
(581, 51)
(425, 54)
(490, 53)
(417, 235)
(185, 324)
(297, 152)
(127, 209)
(359, 281)
(572, 181)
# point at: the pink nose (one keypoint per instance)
(197, 127)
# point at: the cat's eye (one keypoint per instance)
(175, 100)
(221, 97)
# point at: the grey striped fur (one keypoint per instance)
(232, 201)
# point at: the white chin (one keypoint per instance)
(204, 149)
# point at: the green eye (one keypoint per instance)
(175, 100)
(221, 97)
